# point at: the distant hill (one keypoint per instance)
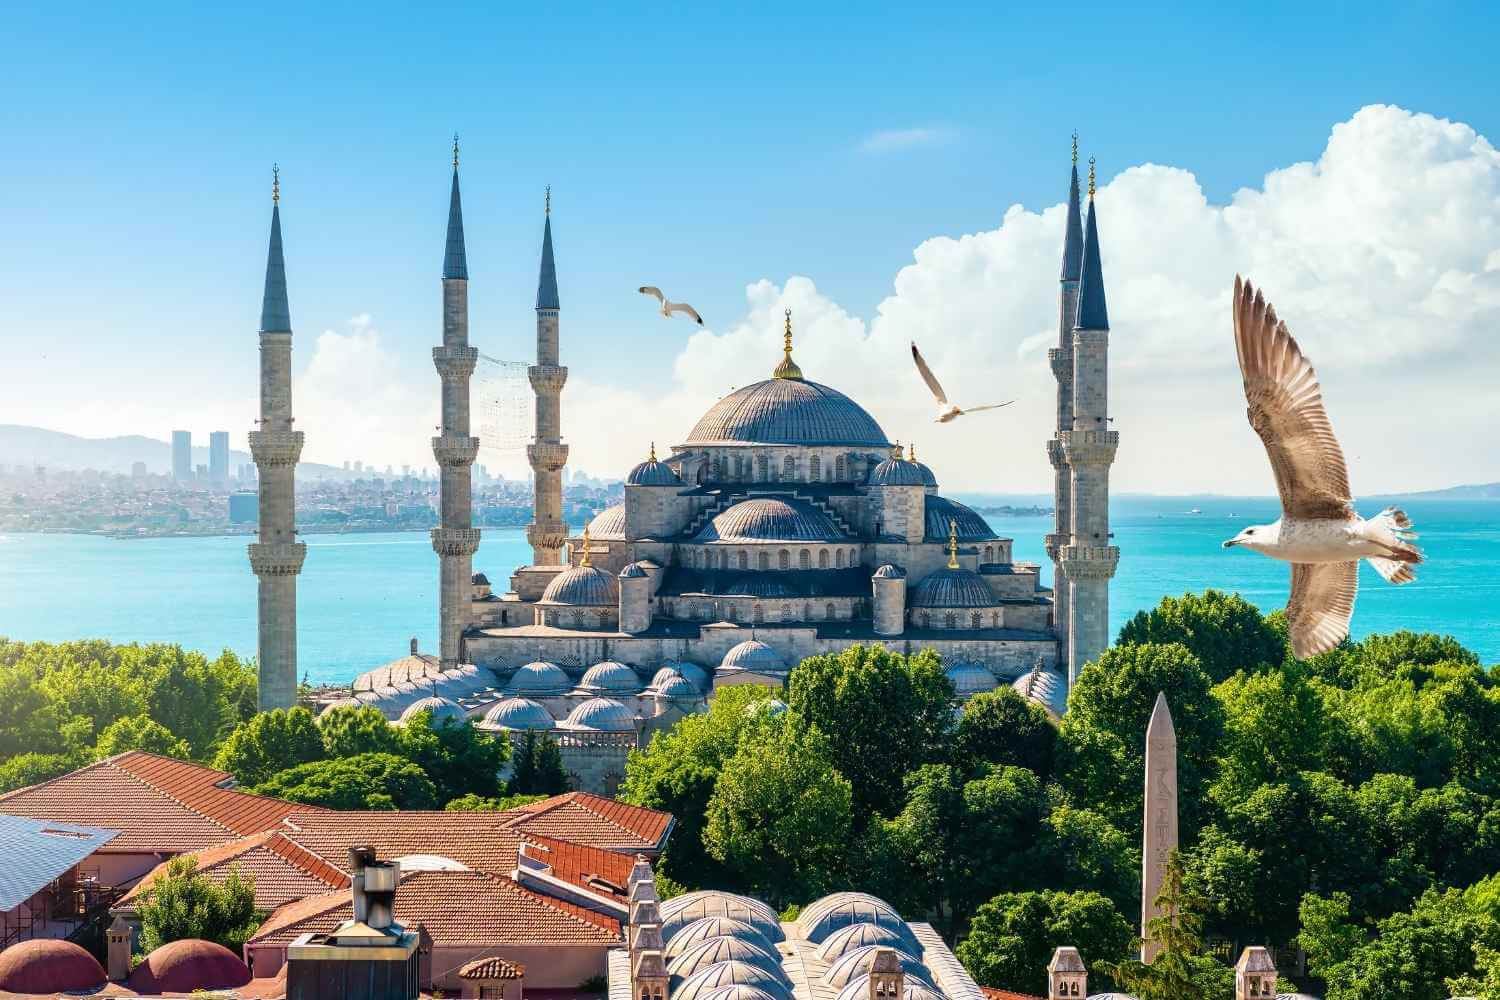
(22, 445)
(1473, 491)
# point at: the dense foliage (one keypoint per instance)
(365, 781)
(1009, 938)
(182, 904)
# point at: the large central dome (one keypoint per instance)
(788, 411)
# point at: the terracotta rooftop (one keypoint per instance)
(991, 993)
(606, 873)
(493, 967)
(478, 840)
(157, 803)
(283, 870)
(584, 818)
(456, 909)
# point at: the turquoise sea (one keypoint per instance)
(361, 597)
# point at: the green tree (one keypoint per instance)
(187, 694)
(780, 818)
(140, 732)
(28, 721)
(1083, 851)
(350, 730)
(1224, 631)
(1180, 970)
(366, 781)
(96, 691)
(1484, 982)
(478, 803)
(538, 767)
(1002, 727)
(1275, 725)
(269, 743)
(1013, 936)
(457, 757)
(34, 768)
(181, 904)
(884, 714)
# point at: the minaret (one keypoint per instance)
(1061, 360)
(456, 539)
(1159, 838)
(547, 453)
(276, 557)
(1089, 560)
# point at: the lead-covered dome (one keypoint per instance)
(708, 928)
(652, 473)
(712, 951)
(600, 715)
(821, 918)
(679, 912)
(771, 519)
(612, 678)
(787, 411)
(442, 710)
(953, 588)
(518, 714)
(857, 962)
(609, 524)
(539, 679)
(752, 654)
(732, 973)
(943, 514)
(858, 988)
(583, 587)
(896, 472)
(1047, 688)
(971, 679)
(847, 939)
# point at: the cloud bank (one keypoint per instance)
(896, 139)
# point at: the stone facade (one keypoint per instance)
(547, 453)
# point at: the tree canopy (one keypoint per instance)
(365, 781)
(1013, 936)
(182, 903)
(270, 742)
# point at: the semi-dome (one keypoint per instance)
(971, 679)
(610, 677)
(442, 710)
(609, 524)
(824, 916)
(1047, 688)
(583, 587)
(188, 966)
(770, 519)
(602, 715)
(518, 714)
(953, 588)
(858, 988)
(539, 679)
(896, 472)
(417, 668)
(732, 973)
(706, 928)
(652, 473)
(787, 411)
(857, 962)
(752, 654)
(680, 911)
(943, 515)
(712, 951)
(44, 965)
(847, 939)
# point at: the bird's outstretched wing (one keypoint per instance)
(1317, 616)
(1286, 410)
(927, 376)
(683, 307)
(653, 290)
(992, 406)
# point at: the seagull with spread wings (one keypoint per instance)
(946, 411)
(1318, 533)
(668, 307)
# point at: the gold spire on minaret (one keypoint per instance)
(455, 150)
(953, 544)
(788, 368)
(1075, 147)
(584, 561)
(275, 184)
(1091, 178)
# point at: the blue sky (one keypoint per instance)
(701, 150)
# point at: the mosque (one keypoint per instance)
(784, 523)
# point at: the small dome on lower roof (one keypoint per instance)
(847, 939)
(634, 571)
(771, 519)
(691, 671)
(442, 710)
(663, 675)
(44, 965)
(858, 988)
(189, 966)
(896, 472)
(732, 973)
(653, 473)
(612, 678)
(851, 964)
(822, 917)
(737, 991)
(712, 951)
(604, 715)
(953, 588)
(678, 688)
(609, 524)
(340, 703)
(971, 679)
(583, 587)
(752, 654)
(704, 928)
(766, 706)
(889, 572)
(518, 714)
(679, 911)
(539, 679)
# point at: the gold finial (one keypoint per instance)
(913, 451)
(547, 208)
(900, 453)
(1091, 178)
(788, 368)
(1075, 147)
(653, 452)
(584, 562)
(455, 150)
(275, 184)
(953, 544)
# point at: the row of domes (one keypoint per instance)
(52, 967)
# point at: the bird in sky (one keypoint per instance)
(1318, 533)
(946, 411)
(668, 307)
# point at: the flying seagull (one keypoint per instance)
(668, 307)
(1318, 533)
(946, 411)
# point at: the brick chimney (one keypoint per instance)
(1255, 975)
(1066, 976)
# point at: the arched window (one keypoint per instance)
(758, 613)
(765, 559)
(950, 620)
(504, 617)
(995, 619)
(814, 468)
(724, 559)
(764, 462)
(603, 619)
(839, 469)
(744, 559)
(807, 612)
(989, 553)
(784, 559)
(976, 620)
(830, 612)
(822, 559)
(734, 612)
(788, 467)
(804, 559)
(839, 559)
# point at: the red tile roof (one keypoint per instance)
(991, 993)
(585, 818)
(493, 967)
(281, 869)
(478, 840)
(458, 909)
(157, 803)
(606, 873)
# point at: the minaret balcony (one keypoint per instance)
(1061, 362)
(455, 363)
(455, 541)
(1054, 544)
(547, 379)
(1089, 447)
(277, 558)
(547, 534)
(547, 456)
(273, 448)
(1055, 453)
(1090, 562)
(453, 450)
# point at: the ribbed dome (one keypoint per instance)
(706, 928)
(691, 671)
(583, 587)
(442, 710)
(663, 675)
(771, 519)
(760, 585)
(634, 571)
(971, 679)
(1047, 688)
(680, 911)
(928, 479)
(858, 988)
(896, 472)
(518, 714)
(712, 951)
(889, 572)
(611, 677)
(678, 687)
(737, 991)
(752, 654)
(941, 512)
(609, 524)
(539, 679)
(732, 973)
(652, 473)
(953, 588)
(788, 411)
(852, 964)
(604, 715)
(847, 939)
(824, 916)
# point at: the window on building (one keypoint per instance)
(764, 463)
(840, 467)
(734, 613)
(976, 620)
(788, 468)
(765, 560)
(994, 619)
(989, 553)
(814, 468)
(784, 559)
(758, 613)
(926, 620)
(950, 620)
(839, 559)
(786, 612)
(804, 559)
(830, 612)
(822, 559)
(744, 559)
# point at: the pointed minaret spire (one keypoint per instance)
(1092, 313)
(1072, 259)
(455, 259)
(547, 454)
(275, 314)
(546, 285)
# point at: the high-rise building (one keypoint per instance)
(182, 456)
(137, 470)
(218, 457)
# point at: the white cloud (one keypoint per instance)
(896, 139)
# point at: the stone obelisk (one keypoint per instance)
(1160, 833)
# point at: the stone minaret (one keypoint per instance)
(456, 539)
(1061, 360)
(276, 557)
(547, 453)
(1159, 838)
(1089, 560)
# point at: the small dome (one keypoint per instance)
(678, 688)
(847, 939)
(788, 411)
(712, 951)
(680, 911)
(583, 587)
(732, 973)
(479, 580)
(610, 677)
(691, 671)
(760, 585)
(971, 679)
(853, 963)
(942, 512)
(752, 654)
(340, 703)
(634, 571)
(539, 679)
(653, 473)
(824, 916)
(953, 588)
(442, 710)
(518, 714)
(1047, 688)
(707, 928)
(768, 706)
(928, 479)
(44, 965)
(663, 675)
(889, 572)
(189, 965)
(609, 524)
(858, 988)
(737, 991)
(771, 519)
(896, 472)
(601, 715)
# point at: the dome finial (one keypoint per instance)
(952, 544)
(787, 368)
(275, 184)
(585, 562)
(653, 452)
(1091, 178)
(913, 451)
